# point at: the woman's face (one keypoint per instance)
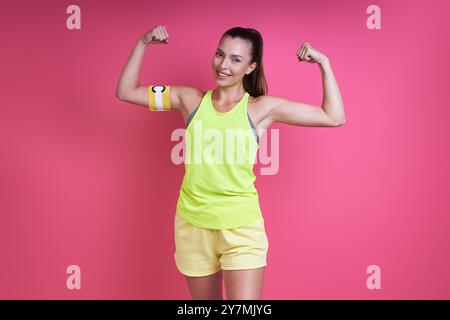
(232, 58)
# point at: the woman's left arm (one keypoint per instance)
(302, 114)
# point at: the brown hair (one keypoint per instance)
(254, 83)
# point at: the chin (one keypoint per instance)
(221, 84)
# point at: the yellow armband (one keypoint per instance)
(159, 98)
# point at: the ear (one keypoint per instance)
(251, 67)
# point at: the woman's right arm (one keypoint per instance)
(128, 88)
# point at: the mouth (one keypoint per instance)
(222, 75)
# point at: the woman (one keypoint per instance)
(219, 228)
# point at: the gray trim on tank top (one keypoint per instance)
(191, 116)
(253, 127)
(250, 120)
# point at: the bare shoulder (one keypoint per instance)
(191, 98)
(188, 98)
(270, 102)
(195, 93)
(181, 95)
(259, 109)
(265, 102)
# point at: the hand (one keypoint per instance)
(157, 35)
(309, 54)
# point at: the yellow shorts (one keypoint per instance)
(201, 252)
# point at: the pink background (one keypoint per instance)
(88, 180)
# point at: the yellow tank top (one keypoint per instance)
(218, 189)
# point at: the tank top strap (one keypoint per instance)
(200, 108)
(238, 108)
(245, 103)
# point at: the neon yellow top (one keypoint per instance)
(218, 189)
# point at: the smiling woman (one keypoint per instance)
(238, 62)
(218, 225)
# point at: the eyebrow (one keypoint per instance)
(233, 55)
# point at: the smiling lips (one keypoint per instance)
(222, 75)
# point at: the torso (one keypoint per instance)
(257, 109)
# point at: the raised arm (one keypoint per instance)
(128, 88)
(129, 78)
(330, 114)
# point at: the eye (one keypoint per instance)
(237, 60)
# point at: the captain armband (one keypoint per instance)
(159, 98)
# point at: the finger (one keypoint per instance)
(160, 34)
(163, 35)
(165, 32)
(155, 35)
(303, 51)
(306, 52)
(300, 54)
(299, 51)
(166, 35)
(306, 46)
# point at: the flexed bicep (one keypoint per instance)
(298, 113)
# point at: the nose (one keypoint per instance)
(223, 65)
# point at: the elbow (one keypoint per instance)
(125, 94)
(120, 95)
(339, 123)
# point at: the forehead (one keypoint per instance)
(236, 45)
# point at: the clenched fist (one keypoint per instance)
(309, 54)
(157, 35)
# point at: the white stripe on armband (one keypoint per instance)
(159, 98)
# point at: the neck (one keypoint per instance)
(225, 94)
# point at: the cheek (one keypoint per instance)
(241, 70)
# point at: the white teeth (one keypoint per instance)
(222, 74)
